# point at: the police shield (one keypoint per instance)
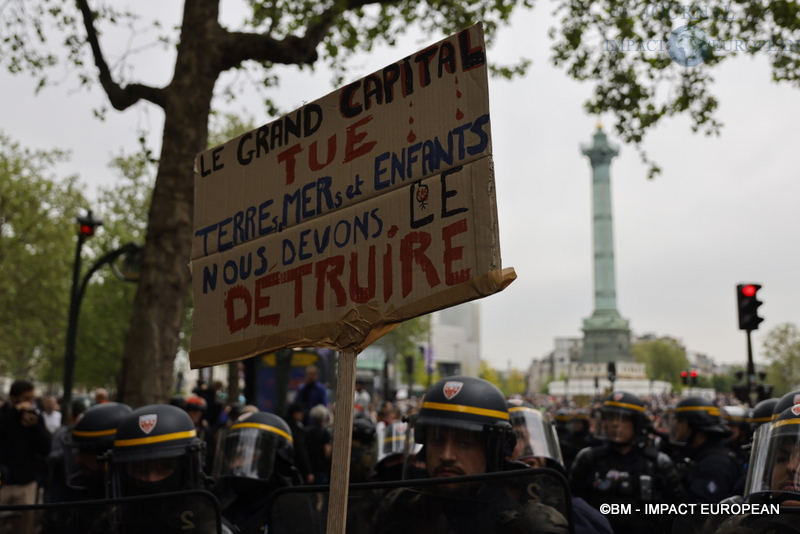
(524, 500)
(192, 512)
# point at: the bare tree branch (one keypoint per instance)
(295, 50)
(120, 97)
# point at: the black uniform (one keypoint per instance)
(601, 475)
(711, 473)
(489, 510)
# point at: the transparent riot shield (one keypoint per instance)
(530, 501)
(192, 512)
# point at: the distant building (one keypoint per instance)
(455, 338)
(701, 363)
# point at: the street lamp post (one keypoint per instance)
(86, 229)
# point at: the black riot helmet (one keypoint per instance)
(701, 415)
(156, 450)
(737, 417)
(763, 412)
(472, 404)
(535, 435)
(774, 471)
(256, 451)
(579, 421)
(624, 405)
(734, 415)
(787, 401)
(562, 417)
(92, 435)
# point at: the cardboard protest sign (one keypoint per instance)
(367, 207)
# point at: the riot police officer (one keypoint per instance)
(463, 425)
(775, 473)
(83, 446)
(578, 437)
(624, 470)
(90, 438)
(569, 450)
(737, 417)
(579, 426)
(773, 476)
(536, 439)
(537, 446)
(255, 458)
(561, 418)
(156, 451)
(709, 470)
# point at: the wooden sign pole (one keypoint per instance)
(342, 441)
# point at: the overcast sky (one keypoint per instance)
(724, 211)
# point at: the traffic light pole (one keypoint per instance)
(751, 371)
(74, 311)
(72, 328)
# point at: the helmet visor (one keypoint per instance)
(535, 437)
(775, 462)
(146, 476)
(83, 468)
(247, 453)
(616, 425)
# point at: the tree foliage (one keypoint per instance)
(406, 337)
(598, 41)
(489, 374)
(664, 360)
(510, 383)
(37, 248)
(782, 350)
(287, 32)
(514, 383)
(405, 341)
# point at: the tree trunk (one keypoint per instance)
(152, 340)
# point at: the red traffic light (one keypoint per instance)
(749, 290)
(694, 374)
(684, 374)
(748, 303)
(88, 224)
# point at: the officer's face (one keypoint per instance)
(244, 459)
(618, 428)
(785, 476)
(680, 430)
(528, 444)
(579, 425)
(452, 452)
(523, 442)
(88, 462)
(152, 470)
